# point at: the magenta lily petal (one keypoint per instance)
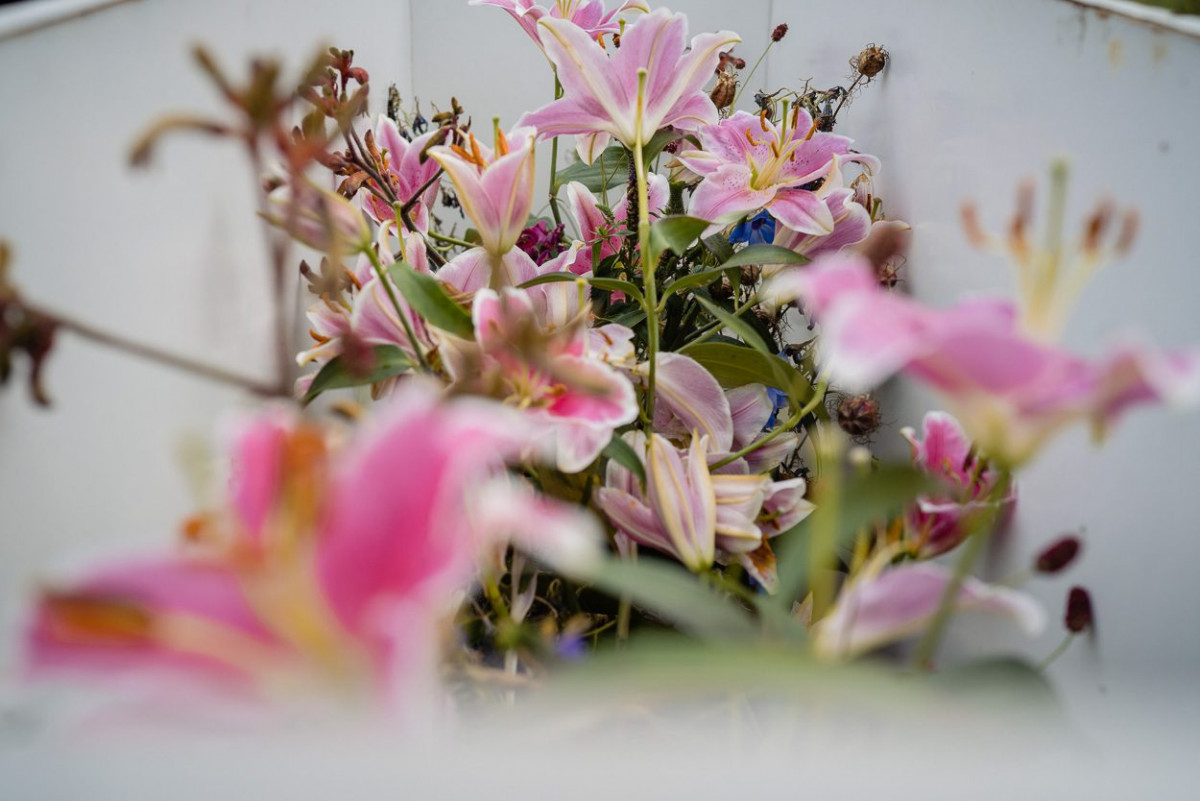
(589, 15)
(901, 601)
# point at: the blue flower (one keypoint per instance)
(758, 230)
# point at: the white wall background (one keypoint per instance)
(977, 96)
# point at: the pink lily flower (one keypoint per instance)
(328, 571)
(943, 450)
(588, 15)
(885, 605)
(600, 236)
(408, 168)
(540, 364)
(677, 512)
(1010, 392)
(495, 187)
(601, 90)
(749, 163)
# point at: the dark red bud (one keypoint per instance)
(1058, 555)
(1079, 616)
(780, 31)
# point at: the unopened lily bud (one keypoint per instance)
(780, 31)
(1058, 555)
(1079, 616)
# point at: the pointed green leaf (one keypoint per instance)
(623, 454)
(389, 361)
(737, 325)
(427, 295)
(675, 233)
(737, 365)
(764, 254)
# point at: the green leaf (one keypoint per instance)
(719, 246)
(737, 365)
(869, 498)
(427, 295)
(623, 454)
(674, 233)
(617, 285)
(737, 325)
(609, 284)
(670, 591)
(608, 170)
(764, 254)
(389, 361)
(692, 281)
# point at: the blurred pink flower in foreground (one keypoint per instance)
(943, 451)
(589, 15)
(1010, 391)
(883, 606)
(601, 90)
(328, 572)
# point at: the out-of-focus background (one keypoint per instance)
(976, 97)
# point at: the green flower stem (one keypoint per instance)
(973, 548)
(712, 330)
(387, 285)
(1057, 652)
(648, 278)
(449, 240)
(558, 92)
(746, 80)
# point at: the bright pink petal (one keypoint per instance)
(688, 399)
(802, 211)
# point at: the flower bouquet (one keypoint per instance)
(545, 432)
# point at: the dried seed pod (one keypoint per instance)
(858, 415)
(725, 91)
(870, 61)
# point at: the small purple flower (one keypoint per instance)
(541, 242)
(758, 230)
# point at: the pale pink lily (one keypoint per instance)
(884, 605)
(939, 523)
(601, 90)
(787, 168)
(536, 359)
(1010, 392)
(409, 170)
(329, 572)
(588, 15)
(495, 187)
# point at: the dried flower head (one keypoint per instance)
(780, 31)
(858, 415)
(870, 61)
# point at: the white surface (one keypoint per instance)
(977, 95)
